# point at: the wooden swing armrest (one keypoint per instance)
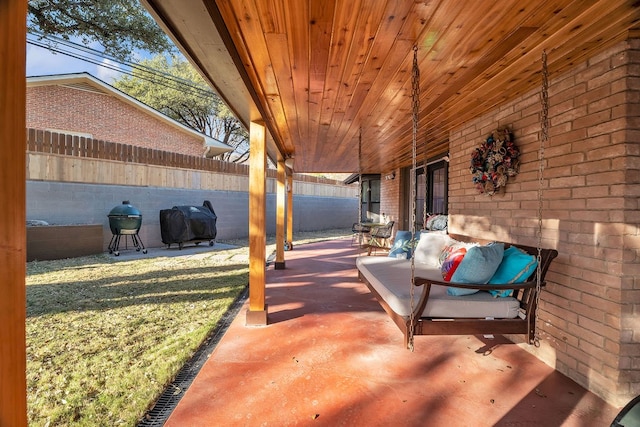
(419, 281)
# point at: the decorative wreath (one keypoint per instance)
(494, 162)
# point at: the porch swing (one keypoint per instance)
(431, 313)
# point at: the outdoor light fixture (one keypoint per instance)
(289, 163)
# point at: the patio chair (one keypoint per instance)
(360, 231)
(380, 237)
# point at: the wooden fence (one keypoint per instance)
(46, 142)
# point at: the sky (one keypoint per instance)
(41, 62)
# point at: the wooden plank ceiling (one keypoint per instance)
(325, 73)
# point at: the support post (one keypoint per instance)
(13, 253)
(290, 210)
(257, 312)
(280, 207)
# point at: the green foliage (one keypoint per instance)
(189, 101)
(120, 26)
(123, 26)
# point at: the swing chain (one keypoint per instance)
(425, 214)
(360, 178)
(415, 100)
(544, 138)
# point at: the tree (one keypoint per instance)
(172, 86)
(120, 26)
(233, 134)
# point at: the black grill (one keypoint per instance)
(182, 224)
(125, 220)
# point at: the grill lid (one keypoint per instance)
(125, 209)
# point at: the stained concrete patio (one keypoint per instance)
(330, 356)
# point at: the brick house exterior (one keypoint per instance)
(82, 104)
(589, 310)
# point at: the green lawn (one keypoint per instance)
(105, 336)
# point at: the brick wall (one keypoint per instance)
(589, 309)
(629, 262)
(104, 117)
(390, 198)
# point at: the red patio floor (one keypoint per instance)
(330, 356)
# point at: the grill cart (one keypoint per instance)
(125, 220)
(182, 224)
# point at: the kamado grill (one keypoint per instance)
(125, 220)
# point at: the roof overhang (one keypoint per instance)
(198, 31)
(329, 76)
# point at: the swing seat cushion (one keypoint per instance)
(391, 278)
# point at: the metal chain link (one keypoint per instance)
(426, 185)
(360, 179)
(544, 138)
(415, 99)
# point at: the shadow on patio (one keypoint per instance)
(330, 356)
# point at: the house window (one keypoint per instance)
(437, 187)
(431, 191)
(371, 199)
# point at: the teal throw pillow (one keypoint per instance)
(478, 266)
(516, 267)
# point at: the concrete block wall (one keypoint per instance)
(589, 309)
(105, 117)
(79, 203)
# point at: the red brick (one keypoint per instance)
(606, 152)
(604, 177)
(591, 206)
(602, 330)
(607, 127)
(597, 67)
(569, 93)
(592, 191)
(605, 203)
(570, 181)
(106, 118)
(559, 194)
(606, 78)
(592, 120)
(592, 96)
(566, 160)
(575, 135)
(585, 335)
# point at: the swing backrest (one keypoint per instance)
(546, 255)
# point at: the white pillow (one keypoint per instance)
(429, 248)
